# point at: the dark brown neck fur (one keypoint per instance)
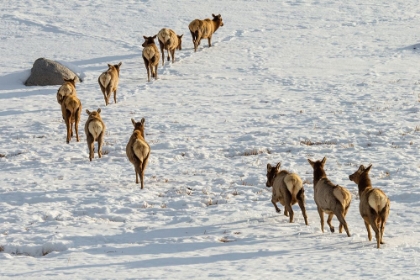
(364, 183)
(319, 173)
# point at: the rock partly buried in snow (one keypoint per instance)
(47, 72)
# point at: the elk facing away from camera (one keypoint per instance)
(108, 81)
(287, 189)
(329, 198)
(374, 204)
(95, 131)
(138, 150)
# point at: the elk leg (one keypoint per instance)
(115, 96)
(156, 72)
(76, 124)
(303, 209)
(373, 224)
(321, 216)
(288, 206)
(192, 36)
(103, 92)
(162, 51)
(142, 177)
(197, 41)
(340, 217)
(330, 216)
(173, 55)
(368, 230)
(289, 209)
(209, 39)
(68, 126)
(100, 145)
(146, 63)
(275, 205)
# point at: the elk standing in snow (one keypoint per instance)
(168, 40)
(329, 198)
(108, 81)
(95, 131)
(151, 56)
(71, 108)
(138, 150)
(374, 204)
(287, 189)
(202, 29)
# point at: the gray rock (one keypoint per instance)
(47, 72)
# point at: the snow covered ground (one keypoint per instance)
(284, 81)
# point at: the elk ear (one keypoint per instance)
(213, 15)
(145, 38)
(154, 37)
(361, 168)
(368, 168)
(99, 110)
(180, 36)
(268, 167)
(323, 161)
(109, 65)
(278, 166)
(119, 64)
(133, 121)
(311, 162)
(87, 112)
(142, 121)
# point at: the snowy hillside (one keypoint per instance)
(283, 82)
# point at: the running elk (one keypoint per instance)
(95, 131)
(138, 150)
(168, 40)
(68, 88)
(329, 198)
(151, 56)
(202, 29)
(374, 204)
(108, 81)
(71, 108)
(287, 189)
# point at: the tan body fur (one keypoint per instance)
(151, 57)
(71, 108)
(168, 40)
(374, 204)
(95, 131)
(329, 198)
(108, 81)
(202, 29)
(138, 150)
(68, 88)
(287, 189)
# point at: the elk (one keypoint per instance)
(169, 41)
(151, 56)
(71, 107)
(108, 81)
(66, 89)
(374, 204)
(329, 198)
(138, 150)
(202, 29)
(95, 131)
(287, 189)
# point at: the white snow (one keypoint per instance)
(284, 81)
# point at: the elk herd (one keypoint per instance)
(330, 198)
(287, 188)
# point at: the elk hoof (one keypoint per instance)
(278, 210)
(332, 229)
